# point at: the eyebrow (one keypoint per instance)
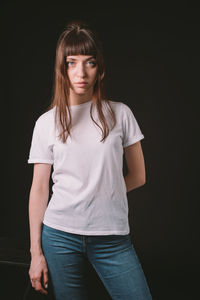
(89, 58)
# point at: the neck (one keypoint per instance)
(76, 99)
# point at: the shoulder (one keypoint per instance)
(120, 107)
(47, 118)
(116, 105)
(125, 107)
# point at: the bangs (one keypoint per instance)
(79, 44)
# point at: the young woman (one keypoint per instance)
(84, 135)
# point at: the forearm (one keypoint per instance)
(38, 200)
(133, 182)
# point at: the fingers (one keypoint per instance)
(38, 274)
(45, 278)
(36, 284)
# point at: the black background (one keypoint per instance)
(152, 58)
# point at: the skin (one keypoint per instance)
(81, 68)
(78, 70)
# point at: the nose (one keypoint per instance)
(81, 72)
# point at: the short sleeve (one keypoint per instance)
(40, 150)
(131, 130)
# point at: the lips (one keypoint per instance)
(81, 84)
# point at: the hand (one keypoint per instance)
(38, 273)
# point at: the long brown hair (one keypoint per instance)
(78, 39)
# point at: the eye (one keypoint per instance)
(92, 62)
(70, 63)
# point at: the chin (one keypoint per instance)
(80, 91)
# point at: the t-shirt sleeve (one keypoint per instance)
(40, 150)
(131, 130)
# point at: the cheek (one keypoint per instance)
(94, 74)
(70, 74)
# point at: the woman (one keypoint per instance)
(87, 215)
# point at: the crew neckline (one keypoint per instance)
(80, 105)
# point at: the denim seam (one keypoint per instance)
(101, 277)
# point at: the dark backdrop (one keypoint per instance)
(152, 57)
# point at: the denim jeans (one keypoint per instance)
(112, 256)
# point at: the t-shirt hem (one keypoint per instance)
(35, 160)
(133, 141)
(83, 232)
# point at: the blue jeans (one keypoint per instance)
(112, 256)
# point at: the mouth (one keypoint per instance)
(81, 84)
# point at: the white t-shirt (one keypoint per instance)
(89, 194)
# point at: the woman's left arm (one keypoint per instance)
(136, 176)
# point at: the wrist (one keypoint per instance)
(36, 251)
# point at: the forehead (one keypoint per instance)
(79, 57)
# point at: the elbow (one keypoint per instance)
(142, 180)
(141, 183)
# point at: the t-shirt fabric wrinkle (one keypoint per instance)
(88, 193)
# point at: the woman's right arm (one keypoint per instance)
(38, 200)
